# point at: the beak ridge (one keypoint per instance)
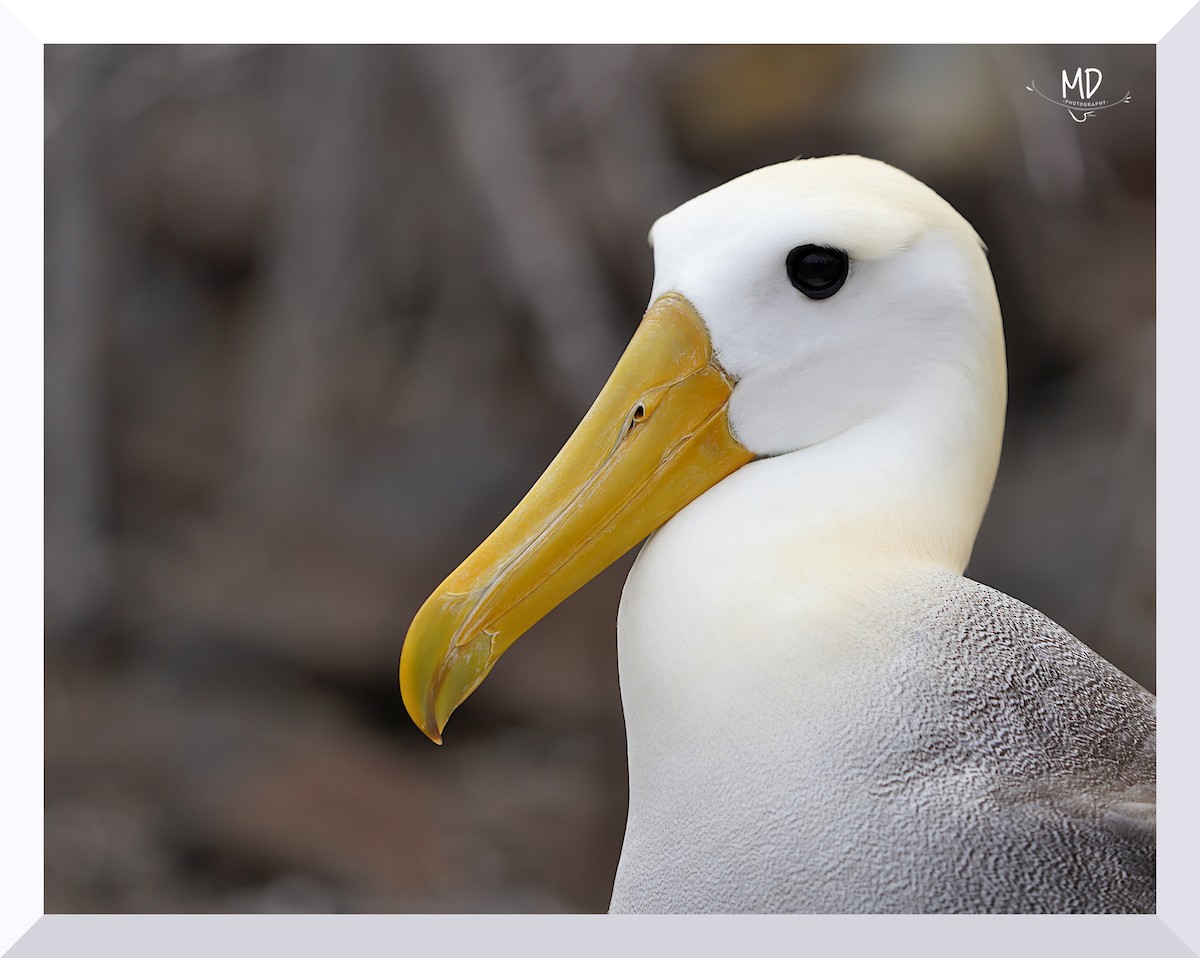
(656, 437)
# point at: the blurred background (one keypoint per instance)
(305, 347)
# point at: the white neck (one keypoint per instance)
(770, 577)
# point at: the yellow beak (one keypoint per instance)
(656, 437)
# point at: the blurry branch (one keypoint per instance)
(1127, 513)
(1050, 149)
(78, 572)
(633, 174)
(495, 137)
(312, 284)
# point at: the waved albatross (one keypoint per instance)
(823, 714)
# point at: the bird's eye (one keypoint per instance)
(817, 271)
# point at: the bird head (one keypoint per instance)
(789, 306)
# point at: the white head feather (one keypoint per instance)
(878, 411)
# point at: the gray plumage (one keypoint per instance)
(989, 762)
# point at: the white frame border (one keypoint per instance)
(1176, 928)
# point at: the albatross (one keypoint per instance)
(823, 714)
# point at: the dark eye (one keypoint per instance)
(817, 271)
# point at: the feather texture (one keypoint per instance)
(989, 763)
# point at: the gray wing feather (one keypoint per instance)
(1059, 748)
(978, 759)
